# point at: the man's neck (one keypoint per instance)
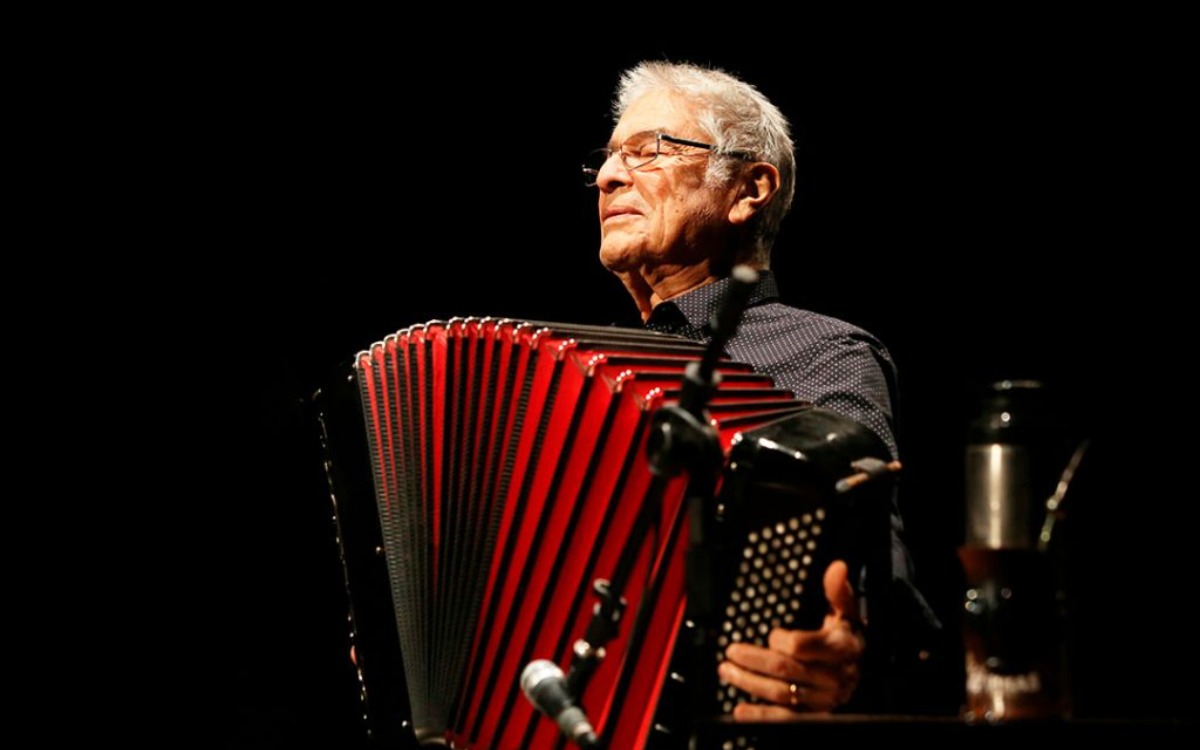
(651, 286)
(668, 283)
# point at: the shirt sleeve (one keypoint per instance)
(851, 375)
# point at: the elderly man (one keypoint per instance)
(696, 178)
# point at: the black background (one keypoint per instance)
(977, 200)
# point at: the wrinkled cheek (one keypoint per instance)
(690, 220)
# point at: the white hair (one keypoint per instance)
(738, 119)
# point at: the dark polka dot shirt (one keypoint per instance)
(824, 361)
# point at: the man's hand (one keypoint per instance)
(802, 670)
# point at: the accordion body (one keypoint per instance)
(486, 474)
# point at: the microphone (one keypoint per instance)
(700, 379)
(546, 688)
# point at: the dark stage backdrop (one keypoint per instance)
(955, 198)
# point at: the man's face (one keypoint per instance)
(663, 213)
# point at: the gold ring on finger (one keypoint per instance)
(795, 692)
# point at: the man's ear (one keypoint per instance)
(757, 185)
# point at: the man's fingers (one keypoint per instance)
(761, 712)
(840, 593)
(799, 644)
(782, 667)
(766, 712)
(836, 643)
(819, 696)
(766, 661)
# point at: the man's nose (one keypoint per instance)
(612, 173)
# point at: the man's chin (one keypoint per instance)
(623, 252)
(618, 259)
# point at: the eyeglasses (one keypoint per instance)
(639, 150)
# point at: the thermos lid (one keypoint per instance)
(1012, 411)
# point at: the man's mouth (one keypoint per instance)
(614, 211)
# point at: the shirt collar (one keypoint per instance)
(696, 308)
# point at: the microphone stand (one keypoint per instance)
(681, 439)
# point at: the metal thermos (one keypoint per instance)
(1007, 466)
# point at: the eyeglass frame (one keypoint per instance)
(591, 175)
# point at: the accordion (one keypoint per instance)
(489, 479)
